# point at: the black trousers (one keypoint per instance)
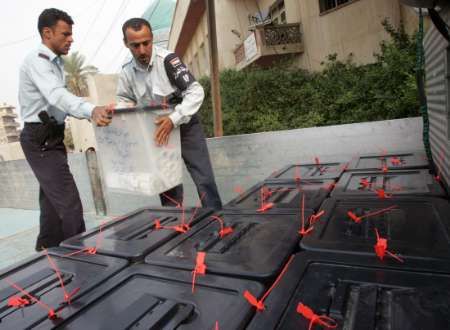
(194, 152)
(61, 209)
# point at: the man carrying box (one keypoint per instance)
(153, 76)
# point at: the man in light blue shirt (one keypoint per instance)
(45, 102)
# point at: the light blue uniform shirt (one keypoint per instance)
(42, 87)
(141, 86)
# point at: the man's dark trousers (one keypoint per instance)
(61, 209)
(196, 157)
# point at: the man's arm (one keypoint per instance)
(55, 92)
(191, 91)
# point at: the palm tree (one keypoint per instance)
(77, 72)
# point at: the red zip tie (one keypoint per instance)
(58, 274)
(200, 267)
(371, 214)
(18, 302)
(51, 313)
(182, 227)
(91, 249)
(381, 248)
(77, 252)
(98, 239)
(395, 161)
(177, 204)
(67, 296)
(322, 320)
(223, 230)
(354, 217)
(199, 204)
(384, 168)
(331, 186)
(302, 230)
(357, 219)
(321, 168)
(382, 194)
(365, 183)
(178, 228)
(297, 175)
(253, 301)
(264, 206)
(259, 304)
(315, 217)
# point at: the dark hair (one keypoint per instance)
(50, 17)
(136, 24)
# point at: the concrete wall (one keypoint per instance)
(19, 188)
(11, 151)
(238, 161)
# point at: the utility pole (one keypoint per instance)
(214, 68)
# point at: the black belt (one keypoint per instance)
(40, 124)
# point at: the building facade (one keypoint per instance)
(8, 126)
(10, 148)
(261, 31)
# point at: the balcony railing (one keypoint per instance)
(269, 41)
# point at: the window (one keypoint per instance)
(277, 12)
(326, 5)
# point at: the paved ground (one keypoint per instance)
(18, 232)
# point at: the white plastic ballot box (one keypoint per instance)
(130, 159)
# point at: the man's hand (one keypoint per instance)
(102, 116)
(163, 132)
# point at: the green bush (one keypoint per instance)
(283, 97)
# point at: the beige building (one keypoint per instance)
(10, 148)
(260, 31)
(8, 126)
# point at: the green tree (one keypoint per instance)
(77, 72)
(286, 97)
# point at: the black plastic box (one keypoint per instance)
(283, 195)
(135, 235)
(146, 297)
(36, 276)
(325, 171)
(358, 295)
(390, 161)
(396, 183)
(256, 249)
(417, 228)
